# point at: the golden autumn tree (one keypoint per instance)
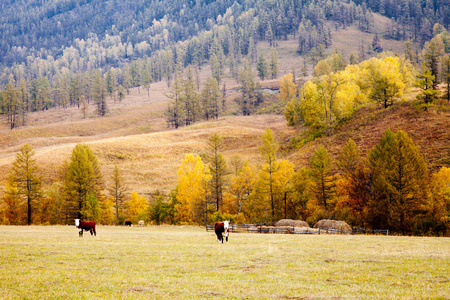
(288, 88)
(107, 205)
(137, 207)
(329, 99)
(241, 186)
(387, 79)
(15, 212)
(440, 202)
(192, 191)
(300, 194)
(24, 181)
(354, 186)
(268, 151)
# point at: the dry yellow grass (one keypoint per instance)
(168, 262)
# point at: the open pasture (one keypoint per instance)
(168, 262)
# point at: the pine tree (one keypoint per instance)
(120, 93)
(400, 182)
(175, 109)
(210, 98)
(262, 67)
(117, 190)
(376, 45)
(83, 177)
(11, 102)
(23, 100)
(446, 75)
(432, 52)
(274, 63)
(110, 81)
(190, 99)
(323, 187)
(98, 93)
(268, 151)
(24, 177)
(217, 169)
(425, 81)
(146, 79)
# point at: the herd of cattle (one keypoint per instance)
(221, 228)
(90, 226)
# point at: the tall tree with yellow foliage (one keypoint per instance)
(24, 180)
(440, 205)
(387, 79)
(137, 207)
(288, 88)
(192, 191)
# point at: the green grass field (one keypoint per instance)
(39, 262)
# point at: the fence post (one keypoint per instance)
(319, 230)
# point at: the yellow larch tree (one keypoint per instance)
(241, 187)
(387, 79)
(192, 191)
(137, 207)
(288, 88)
(440, 191)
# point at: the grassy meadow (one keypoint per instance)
(40, 262)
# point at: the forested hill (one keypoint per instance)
(46, 37)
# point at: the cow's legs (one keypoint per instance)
(219, 237)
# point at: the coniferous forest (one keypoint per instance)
(59, 54)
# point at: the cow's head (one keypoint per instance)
(226, 224)
(77, 222)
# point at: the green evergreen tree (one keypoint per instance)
(274, 64)
(118, 191)
(268, 151)
(217, 168)
(425, 81)
(210, 98)
(98, 93)
(262, 67)
(83, 177)
(323, 186)
(400, 183)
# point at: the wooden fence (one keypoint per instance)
(264, 228)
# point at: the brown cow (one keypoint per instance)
(85, 225)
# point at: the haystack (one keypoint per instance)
(333, 224)
(291, 223)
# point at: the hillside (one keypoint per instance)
(134, 133)
(135, 137)
(428, 130)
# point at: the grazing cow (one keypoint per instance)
(85, 225)
(222, 227)
(128, 223)
(141, 223)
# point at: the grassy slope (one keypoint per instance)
(187, 263)
(134, 135)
